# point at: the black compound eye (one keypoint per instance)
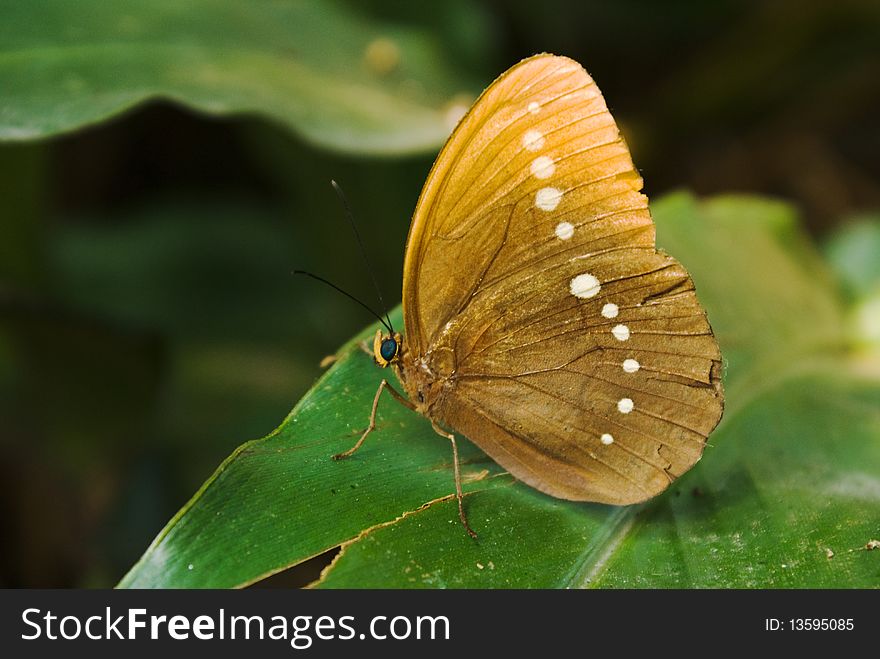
(388, 349)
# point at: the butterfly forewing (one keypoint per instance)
(573, 353)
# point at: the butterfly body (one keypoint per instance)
(540, 320)
(426, 378)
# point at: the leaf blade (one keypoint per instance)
(85, 63)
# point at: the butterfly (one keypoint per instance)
(540, 320)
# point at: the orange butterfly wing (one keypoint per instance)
(567, 347)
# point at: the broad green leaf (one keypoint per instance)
(282, 499)
(790, 474)
(330, 74)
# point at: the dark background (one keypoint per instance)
(148, 320)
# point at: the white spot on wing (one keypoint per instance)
(534, 107)
(585, 285)
(543, 167)
(610, 310)
(547, 199)
(631, 365)
(533, 140)
(606, 439)
(564, 230)
(625, 405)
(620, 332)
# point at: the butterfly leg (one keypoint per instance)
(372, 426)
(458, 495)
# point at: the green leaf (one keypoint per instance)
(335, 77)
(789, 478)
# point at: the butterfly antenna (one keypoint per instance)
(372, 272)
(346, 294)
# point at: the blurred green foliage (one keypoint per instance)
(854, 252)
(148, 322)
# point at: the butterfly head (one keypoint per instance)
(386, 348)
